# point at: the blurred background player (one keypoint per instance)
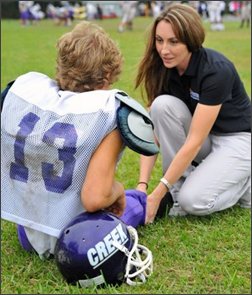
(29, 12)
(215, 9)
(245, 13)
(128, 15)
(24, 12)
(156, 7)
(60, 14)
(36, 13)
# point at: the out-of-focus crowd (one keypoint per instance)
(65, 12)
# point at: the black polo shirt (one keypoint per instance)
(212, 79)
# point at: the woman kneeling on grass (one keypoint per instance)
(201, 116)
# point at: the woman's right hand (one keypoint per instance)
(152, 206)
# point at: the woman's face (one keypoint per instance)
(172, 52)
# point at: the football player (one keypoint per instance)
(62, 140)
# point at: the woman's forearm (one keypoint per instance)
(146, 166)
(177, 167)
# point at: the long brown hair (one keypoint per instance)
(188, 28)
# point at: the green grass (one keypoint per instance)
(192, 255)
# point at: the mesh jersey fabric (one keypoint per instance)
(48, 138)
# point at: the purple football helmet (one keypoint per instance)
(98, 249)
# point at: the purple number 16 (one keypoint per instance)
(53, 182)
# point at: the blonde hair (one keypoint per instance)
(87, 59)
(188, 28)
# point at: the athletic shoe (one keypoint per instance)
(176, 210)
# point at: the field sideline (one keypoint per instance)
(192, 255)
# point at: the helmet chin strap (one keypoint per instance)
(143, 267)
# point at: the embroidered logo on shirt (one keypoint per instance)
(194, 95)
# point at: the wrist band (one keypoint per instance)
(166, 183)
(143, 182)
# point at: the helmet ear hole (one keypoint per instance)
(85, 252)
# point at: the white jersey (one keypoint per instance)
(48, 138)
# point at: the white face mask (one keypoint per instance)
(140, 261)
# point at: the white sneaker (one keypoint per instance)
(176, 210)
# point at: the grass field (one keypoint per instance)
(192, 255)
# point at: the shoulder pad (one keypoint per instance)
(133, 104)
(135, 126)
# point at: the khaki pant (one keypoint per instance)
(223, 176)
